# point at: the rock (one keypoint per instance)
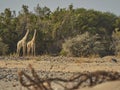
(114, 60)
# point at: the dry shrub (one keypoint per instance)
(84, 45)
(116, 42)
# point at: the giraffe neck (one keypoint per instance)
(33, 39)
(25, 37)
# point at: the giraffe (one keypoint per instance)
(22, 44)
(31, 45)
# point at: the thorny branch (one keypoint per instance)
(38, 83)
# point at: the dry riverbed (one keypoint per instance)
(49, 67)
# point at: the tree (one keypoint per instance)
(54, 28)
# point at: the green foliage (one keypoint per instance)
(3, 48)
(55, 28)
(63, 53)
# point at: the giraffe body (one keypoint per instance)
(31, 45)
(22, 44)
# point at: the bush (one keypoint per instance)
(84, 45)
(3, 48)
(116, 41)
(63, 53)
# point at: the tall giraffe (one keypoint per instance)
(22, 44)
(31, 45)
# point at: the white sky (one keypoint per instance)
(101, 5)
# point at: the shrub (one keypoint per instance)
(84, 45)
(3, 48)
(116, 41)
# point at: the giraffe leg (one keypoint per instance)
(24, 50)
(34, 50)
(28, 51)
(18, 50)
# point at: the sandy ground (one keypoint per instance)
(113, 85)
(58, 64)
(65, 64)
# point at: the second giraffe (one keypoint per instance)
(31, 45)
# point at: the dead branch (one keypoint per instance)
(38, 83)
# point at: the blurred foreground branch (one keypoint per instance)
(34, 82)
